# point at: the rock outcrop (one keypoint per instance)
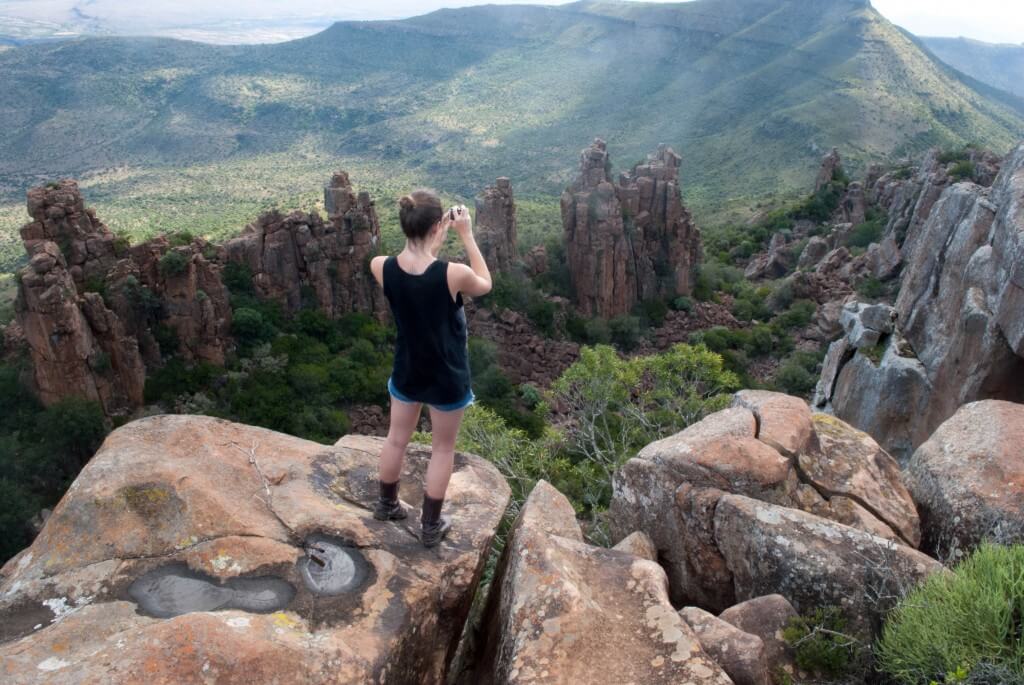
(960, 309)
(300, 260)
(496, 225)
(191, 548)
(59, 216)
(629, 241)
(563, 611)
(95, 313)
(830, 165)
(968, 479)
(78, 347)
(768, 447)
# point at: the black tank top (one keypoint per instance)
(431, 348)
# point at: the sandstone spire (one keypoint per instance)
(631, 241)
(496, 225)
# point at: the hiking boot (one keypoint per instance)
(434, 532)
(388, 507)
(434, 526)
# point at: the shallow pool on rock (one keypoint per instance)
(175, 589)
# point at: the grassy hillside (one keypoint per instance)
(1000, 66)
(172, 134)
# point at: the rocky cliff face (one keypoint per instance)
(78, 347)
(297, 253)
(959, 333)
(94, 312)
(191, 548)
(496, 225)
(629, 241)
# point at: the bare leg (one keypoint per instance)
(444, 427)
(404, 416)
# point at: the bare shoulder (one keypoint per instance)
(377, 268)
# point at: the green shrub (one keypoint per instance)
(597, 332)
(652, 313)
(966, 618)
(951, 155)
(20, 505)
(176, 378)
(173, 263)
(866, 233)
(121, 244)
(625, 331)
(820, 643)
(167, 338)
(96, 284)
(682, 304)
(616, 406)
(963, 170)
(871, 288)
(181, 239)
(238, 278)
(144, 301)
(794, 379)
(250, 328)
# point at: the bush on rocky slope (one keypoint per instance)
(969, 619)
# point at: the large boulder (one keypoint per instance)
(192, 549)
(564, 611)
(968, 478)
(767, 446)
(814, 562)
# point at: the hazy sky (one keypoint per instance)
(998, 21)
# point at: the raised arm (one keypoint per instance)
(475, 279)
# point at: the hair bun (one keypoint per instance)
(407, 202)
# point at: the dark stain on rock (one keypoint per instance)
(20, 620)
(151, 500)
(175, 589)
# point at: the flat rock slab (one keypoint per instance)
(564, 611)
(192, 549)
(814, 562)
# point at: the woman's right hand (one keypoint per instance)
(463, 224)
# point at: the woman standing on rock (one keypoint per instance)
(431, 355)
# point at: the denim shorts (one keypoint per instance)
(469, 399)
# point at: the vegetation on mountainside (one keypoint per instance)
(1000, 66)
(956, 625)
(189, 136)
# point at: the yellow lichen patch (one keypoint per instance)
(283, 620)
(145, 500)
(186, 541)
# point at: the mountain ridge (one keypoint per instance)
(751, 92)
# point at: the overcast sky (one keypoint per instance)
(997, 21)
